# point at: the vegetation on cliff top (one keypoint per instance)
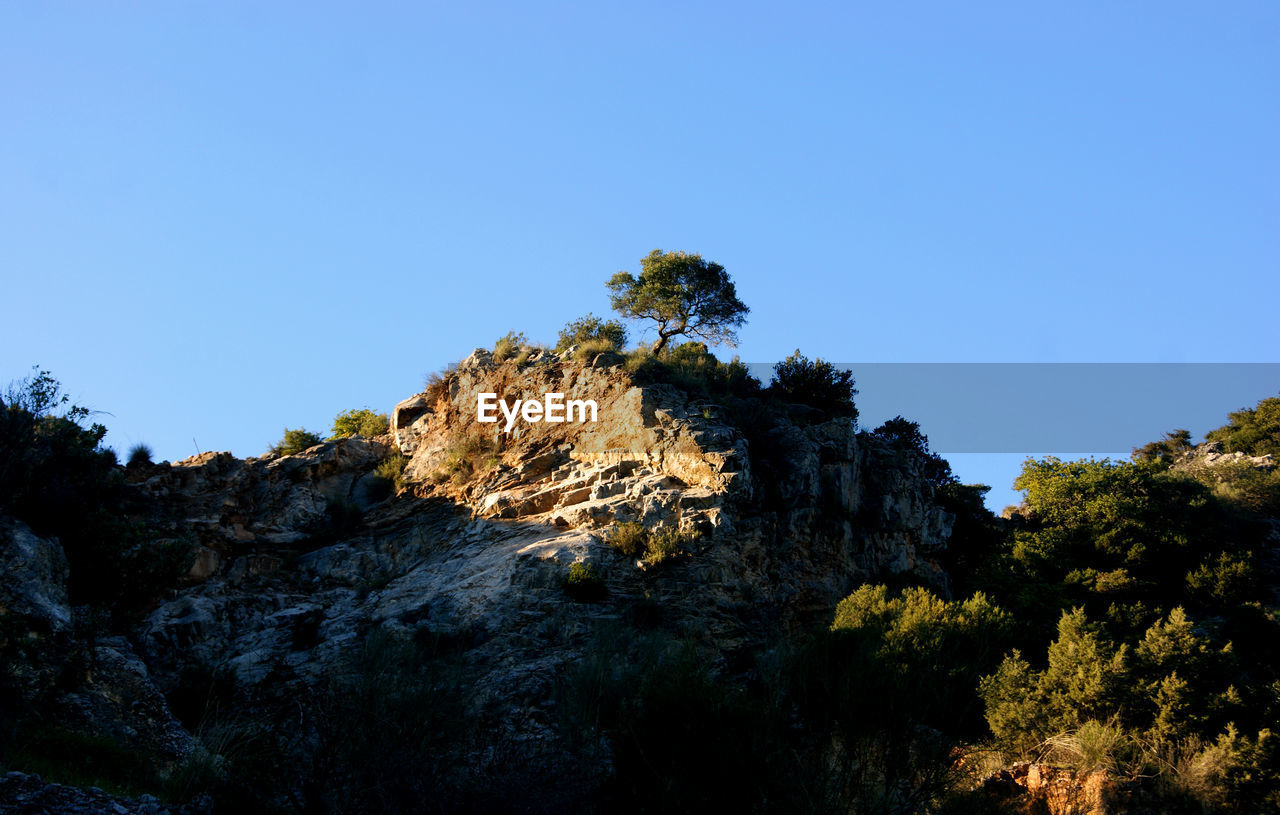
(684, 295)
(56, 476)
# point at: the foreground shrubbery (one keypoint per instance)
(1144, 630)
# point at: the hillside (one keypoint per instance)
(499, 555)
(692, 594)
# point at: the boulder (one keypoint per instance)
(34, 584)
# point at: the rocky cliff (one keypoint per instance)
(298, 558)
(485, 549)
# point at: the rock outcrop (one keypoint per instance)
(26, 793)
(34, 591)
(785, 518)
(53, 663)
(298, 558)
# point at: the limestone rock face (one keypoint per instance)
(783, 517)
(1213, 454)
(225, 502)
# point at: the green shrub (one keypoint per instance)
(295, 441)
(1087, 517)
(629, 539)
(817, 384)
(652, 547)
(638, 359)
(388, 476)
(1254, 490)
(508, 346)
(1202, 772)
(465, 456)
(692, 368)
(362, 422)
(583, 584)
(931, 650)
(1086, 673)
(1092, 746)
(592, 348)
(663, 545)
(604, 335)
(139, 455)
(1227, 581)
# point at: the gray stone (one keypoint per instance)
(35, 578)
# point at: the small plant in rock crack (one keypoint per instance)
(583, 584)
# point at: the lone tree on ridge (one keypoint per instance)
(684, 294)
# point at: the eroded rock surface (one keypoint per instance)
(780, 533)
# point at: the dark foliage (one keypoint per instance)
(905, 436)
(139, 455)
(816, 383)
(56, 476)
(1167, 450)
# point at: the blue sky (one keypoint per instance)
(219, 219)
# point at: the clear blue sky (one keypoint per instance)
(218, 219)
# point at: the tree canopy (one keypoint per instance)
(684, 294)
(1252, 431)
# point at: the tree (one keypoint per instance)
(684, 294)
(1167, 450)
